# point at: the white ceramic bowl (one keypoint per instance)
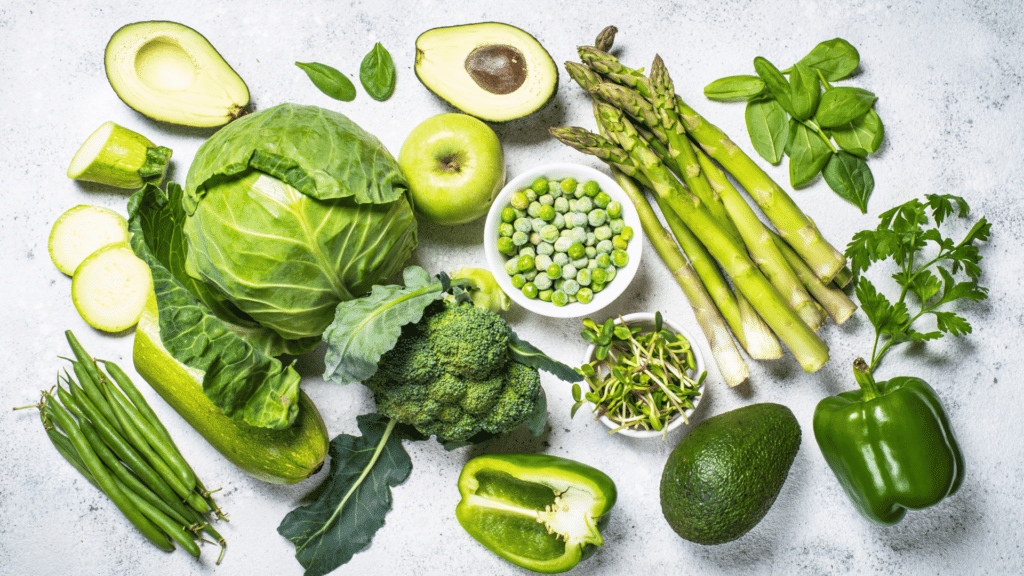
(646, 321)
(496, 260)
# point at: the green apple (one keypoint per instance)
(455, 167)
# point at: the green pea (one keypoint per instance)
(519, 201)
(554, 189)
(540, 185)
(522, 225)
(530, 290)
(584, 277)
(543, 281)
(602, 200)
(617, 225)
(506, 246)
(584, 205)
(568, 271)
(520, 238)
(614, 209)
(527, 251)
(597, 286)
(542, 261)
(549, 233)
(510, 267)
(585, 296)
(518, 280)
(598, 276)
(568, 185)
(591, 188)
(597, 217)
(530, 195)
(561, 205)
(546, 248)
(554, 270)
(546, 200)
(627, 233)
(505, 229)
(577, 251)
(545, 295)
(559, 298)
(604, 259)
(619, 242)
(524, 263)
(604, 247)
(534, 209)
(570, 287)
(620, 258)
(546, 212)
(535, 238)
(591, 252)
(508, 214)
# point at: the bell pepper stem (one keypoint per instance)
(862, 373)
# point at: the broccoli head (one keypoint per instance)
(450, 376)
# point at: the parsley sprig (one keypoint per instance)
(926, 265)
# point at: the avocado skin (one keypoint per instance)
(453, 83)
(724, 476)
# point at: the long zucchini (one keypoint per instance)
(277, 456)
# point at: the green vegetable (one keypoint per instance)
(351, 506)
(483, 290)
(640, 379)
(723, 477)
(890, 443)
(329, 81)
(81, 231)
(540, 512)
(116, 156)
(110, 288)
(734, 88)
(815, 118)
(377, 73)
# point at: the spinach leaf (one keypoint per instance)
(330, 81)
(734, 88)
(835, 58)
(850, 178)
(354, 500)
(863, 136)
(365, 328)
(808, 153)
(805, 90)
(377, 73)
(843, 105)
(776, 83)
(768, 126)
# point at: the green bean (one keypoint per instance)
(91, 388)
(165, 523)
(122, 449)
(130, 390)
(83, 357)
(102, 476)
(164, 448)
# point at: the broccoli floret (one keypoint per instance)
(450, 376)
(473, 342)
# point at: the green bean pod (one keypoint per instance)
(103, 477)
(92, 390)
(130, 390)
(154, 439)
(165, 523)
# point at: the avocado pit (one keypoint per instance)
(498, 69)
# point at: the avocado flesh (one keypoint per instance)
(168, 71)
(723, 477)
(490, 70)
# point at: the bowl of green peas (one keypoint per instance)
(563, 240)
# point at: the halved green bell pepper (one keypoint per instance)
(890, 445)
(544, 513)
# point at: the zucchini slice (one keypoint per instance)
(110, 288)
(81, 231)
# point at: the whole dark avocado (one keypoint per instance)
(724, 476)
(490, 70)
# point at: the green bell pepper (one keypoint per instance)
(541, 512)
(890, 445)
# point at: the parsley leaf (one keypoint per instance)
(927, 264)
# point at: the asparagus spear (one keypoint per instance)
(808, 349)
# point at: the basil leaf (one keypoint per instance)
(353, 501)
(835, 58)
(329, 81)
(843, 105)
(377, 73)
(850, 178)
(805, 91)
(863, 136)
(808, 153)
(734, 88)
(776, 83)
(768, 126)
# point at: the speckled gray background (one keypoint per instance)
(949, 75)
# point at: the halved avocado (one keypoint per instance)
(170, 72)
(490, 70)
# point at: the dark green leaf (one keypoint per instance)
(805, 91)
(950, 323)
(330, 81)
(835, 58)
(768, 126)
(350, 508)
(525, 353)
(839, 106)
(850, 178)
(377, 73)
(734, 88)
(776, 83)
(862, 136)
(808, 153)
(537, 421)
(924, 285)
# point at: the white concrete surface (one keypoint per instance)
(949, 78)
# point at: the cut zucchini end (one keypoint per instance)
(111, 287)
(90, 150)
(114, 155)
(81, 231)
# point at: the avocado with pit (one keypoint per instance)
(490, 70)
(169, 72)
(724, 476)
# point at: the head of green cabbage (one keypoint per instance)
(290, 211)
